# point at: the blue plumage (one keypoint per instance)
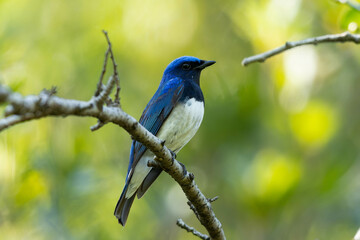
(173, 114)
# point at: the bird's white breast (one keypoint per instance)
(177, 130)
(182, 124)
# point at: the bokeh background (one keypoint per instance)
(279, 142)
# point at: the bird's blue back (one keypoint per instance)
(156, 112)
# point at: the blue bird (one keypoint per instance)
(174, 114)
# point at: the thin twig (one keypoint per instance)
(342, 37)
(116, 75)
(117, 93)
(351, 4)
(98, 125)
(183, 225)
(52, 91)
(104, 94)
(99, 86)
(213, 199)
(191, 206)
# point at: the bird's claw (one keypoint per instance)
(183, 168)
(173, 155)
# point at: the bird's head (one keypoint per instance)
(187, 68)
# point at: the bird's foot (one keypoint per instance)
(184, 171)
(173, 155)
(183, 168)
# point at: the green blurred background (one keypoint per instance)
(279, 142)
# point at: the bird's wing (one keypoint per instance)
(155, 114)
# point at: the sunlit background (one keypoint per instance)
(279, 143)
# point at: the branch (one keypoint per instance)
(116, 75)
(183, 225)
(192, 207)
(25, 108)
(353, 5)
(342, 37)
(100, 86)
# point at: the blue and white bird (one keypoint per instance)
(174, 114)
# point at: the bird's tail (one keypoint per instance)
(123, 206)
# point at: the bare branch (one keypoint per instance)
(25, 108)
(192, 207)
(117, 93)
(100, 86)
(116, 75)
(34, 107)
(183, 225)
(104, 94)
(356, 6)
(213, 199)
(185, 179)
(106, 90)
(342, 37)
(98, 125)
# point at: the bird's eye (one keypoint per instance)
(186, 66)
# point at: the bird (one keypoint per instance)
(174, 115)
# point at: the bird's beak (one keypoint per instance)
(204, 64)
